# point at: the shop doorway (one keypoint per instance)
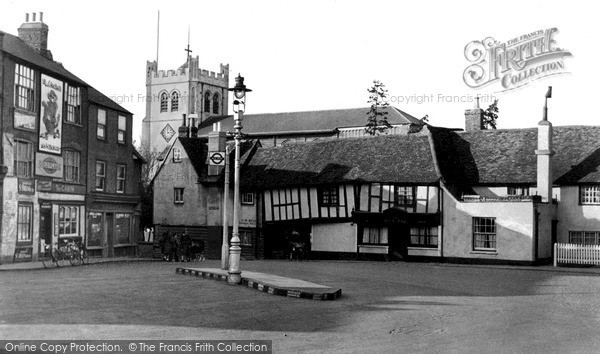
(45, 225)
(109, 222)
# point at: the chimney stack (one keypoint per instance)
(35, 34)
(474, 117)
(544, 154)
(193, 125)
(183, 129)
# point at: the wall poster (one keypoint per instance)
(51, 115)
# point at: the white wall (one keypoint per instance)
(339, 237)
(575, 217)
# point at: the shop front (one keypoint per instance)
(113, 227)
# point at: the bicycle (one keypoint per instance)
(53, 254)
(76, 253)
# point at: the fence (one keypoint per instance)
(576, 254)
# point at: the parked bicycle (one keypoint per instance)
(54, 254)
(76, 252)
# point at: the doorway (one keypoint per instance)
(45, 225)
(109, 221)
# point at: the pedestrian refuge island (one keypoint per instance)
(271, 284)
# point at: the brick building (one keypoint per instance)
(49, 149)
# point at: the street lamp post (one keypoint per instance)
(239, 106)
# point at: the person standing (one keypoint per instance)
(186, 243)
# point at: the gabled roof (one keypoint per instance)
(507, 156)
(16, 47)
(197, 151)
(99, 98)
(386, 159)
(305, 121)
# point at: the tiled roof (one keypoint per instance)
(507, 156)
(390, 158)
(305, 121)
(99, 98)
(14, 46)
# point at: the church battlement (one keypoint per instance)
(221, 78)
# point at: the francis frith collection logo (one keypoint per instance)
(516, 62)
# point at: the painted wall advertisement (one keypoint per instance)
(48, 165)
(51, 115)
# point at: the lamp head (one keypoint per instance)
(239, 90)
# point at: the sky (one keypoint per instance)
(317, 55)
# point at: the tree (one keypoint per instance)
(377, 116)
(149, 169)
(490, 116)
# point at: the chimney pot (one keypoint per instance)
(41, 17)
(34, 14)
(27, 17)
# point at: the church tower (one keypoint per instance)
(190, 90)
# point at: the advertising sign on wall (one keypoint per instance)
(51, 115)
(48, 165)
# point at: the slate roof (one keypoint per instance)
(326, 120)
(99, 98)
(385, 159)
(16, 47)
(507, 156)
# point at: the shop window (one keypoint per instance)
(123, 228)
(68, 221)
(95, 230)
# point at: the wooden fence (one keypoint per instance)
(568, 253)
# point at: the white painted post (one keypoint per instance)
(555, 254)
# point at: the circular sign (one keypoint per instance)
(217, 158)
(50, 165)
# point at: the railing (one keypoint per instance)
(576, 254)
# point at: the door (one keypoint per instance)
(110, 230)
(398, 241)
(46, 224)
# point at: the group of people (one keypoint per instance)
(180, 248)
